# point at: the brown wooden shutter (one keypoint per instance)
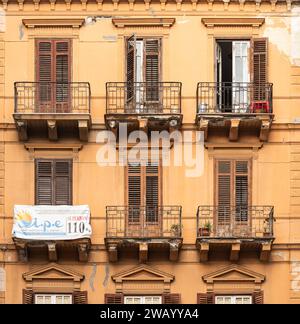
(205, 298)
(171, 298)
(63, 182)
(241, 190)
(130, 66)
(152, 193)
(224, 189)
(28, 296)
(80, 297)
(114, 299)
(134, 192)
(152, 68)
(62, 75)
(44, 187)
(258, 298)
(260, 67)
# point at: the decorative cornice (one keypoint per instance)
(233, 22)
(143, 22)
(40, 23)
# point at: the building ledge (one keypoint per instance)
(143, 22)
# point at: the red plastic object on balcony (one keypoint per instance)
(260, 107)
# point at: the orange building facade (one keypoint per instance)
(221, 226)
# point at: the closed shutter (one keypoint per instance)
(114, 299)
(134, 183)
(63, 182)
(258, 298)
(233, 189)
(152, 69)
(44, 72)
(130, 67)
(53, 72)
(260, 67)
(44, 187)
(62, 75)
(80, 297)
(152, 193)
(28, 296)
(224, 189)
(53, 182)
(206, 298)
(171, 298)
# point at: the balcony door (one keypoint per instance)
(53, 74)
(232, 195)
(144, 217)
(238, 62)
(143, 75)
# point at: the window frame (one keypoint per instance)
(53, 298)
(143, 298)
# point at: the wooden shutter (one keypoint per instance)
(171, 298)
(206, 298)
(260, 67)
(44, 187)
(53, 182)
(63, 182)
(80, 297)
(152, 193)
(52, 69)
(258, 298)
(28, 296)
(114, 299)
(134, 192)
(62, 75)
(130, 66)
(152, 68)
(241, 190)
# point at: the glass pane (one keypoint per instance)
(67, 300)
(48, 299)
(58, 299)
(39, 300)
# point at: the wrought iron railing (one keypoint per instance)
(235, 221)
(143, 98)
(52, 97)
(143, 222)
(237, 98)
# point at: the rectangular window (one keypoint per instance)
(53, 74)
(232, 195)
(144, 198)
(239, 62)
(143, 300)
(53, 299)
(143, 73)
(233, 300)
(53, 182)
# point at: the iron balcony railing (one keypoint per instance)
(234, 97)
(52, 97)
(235, 221)
(143, 98)
(143, 222)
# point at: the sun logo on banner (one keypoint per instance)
(24, 218)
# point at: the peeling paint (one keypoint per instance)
(278, 255)
(92, 277)
(2, 21)
(295, 273)
(105, 281)
(2, 279)
(21, 31)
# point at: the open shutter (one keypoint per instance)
(63, 182)
(62, 75)
(152, 69)
(44, 187)
(171, 298)
(130, 67)
(260, 67)
(114, 299)
(241, 190)
(44, 75)
(258, 298)
(224, 190)
(80, 297)
(205, 298)
(28, 296)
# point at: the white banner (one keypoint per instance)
(51, 222)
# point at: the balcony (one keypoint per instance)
(52, 232)
(235, 108)
(143, 229)
(143, 105)
(235, 230)
(52, 109)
